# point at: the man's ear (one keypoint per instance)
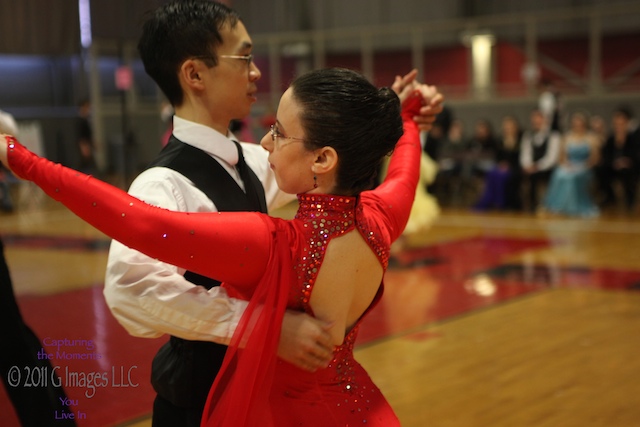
(326, 160)
(190, 74)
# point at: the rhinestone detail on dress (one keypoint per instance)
(325, 217)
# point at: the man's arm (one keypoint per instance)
(150, 298)
(552, 155)
(525, 153)
(163, 302)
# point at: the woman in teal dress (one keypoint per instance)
(569, 190)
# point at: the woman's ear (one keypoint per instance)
(326, 160)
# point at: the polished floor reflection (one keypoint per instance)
(500, 320)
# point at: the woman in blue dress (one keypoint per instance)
(569, 191)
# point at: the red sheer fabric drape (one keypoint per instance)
(240, 394)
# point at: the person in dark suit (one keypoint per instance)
(539, 154)
(619, 161)
(35, 406)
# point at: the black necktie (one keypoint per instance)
(251, 183)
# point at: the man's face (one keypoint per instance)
(231, 84)
(537, 120)
(620, 123)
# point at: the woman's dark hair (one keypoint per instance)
(180, 30)
(341, 109)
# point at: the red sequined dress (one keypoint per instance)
(271, 262)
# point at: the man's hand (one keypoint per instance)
(429, 112)
(622, 163)
(305, 341)
(433, 100)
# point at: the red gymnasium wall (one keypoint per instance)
(450, 66)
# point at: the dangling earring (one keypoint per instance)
(315, 181)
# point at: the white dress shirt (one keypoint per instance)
(151, 298)
(551, 156)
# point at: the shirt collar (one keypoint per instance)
(206, 139)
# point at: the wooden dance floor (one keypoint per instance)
(487, 320)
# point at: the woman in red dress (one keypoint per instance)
(332, 131)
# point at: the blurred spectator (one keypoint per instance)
(479, 158)
(445, 119)
(84, 138)
(436, 137)
(634, 129)
(539, 152)
(502, 189)
(634, 123)
(481, 148)
(433, 140)
(449, 157)
(35, 402)
(456, 133)
(569, 191)
(619, 160)
(598, 126)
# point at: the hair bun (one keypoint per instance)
(386, 92)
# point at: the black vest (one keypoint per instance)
(183, 371)
(539, 151)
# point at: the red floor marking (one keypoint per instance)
(461, 276)
(453, 280)
(55, 242)
(419, 296)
